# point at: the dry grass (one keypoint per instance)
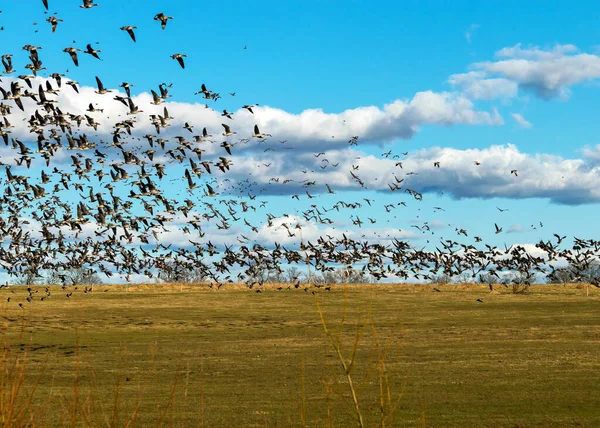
(386, 355)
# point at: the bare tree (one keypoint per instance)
(177, 272)
(331, 277)
(353, 276)
(560, 276)
(76, 276)
(343, 276)
(463, 278)
(522, 277)
(292, 274)
(257, 271)
(487, 278)
(521, 281)
(588, 272)
(28, 277)
(442, 278)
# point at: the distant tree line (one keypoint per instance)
(75, 276)
(588, 272)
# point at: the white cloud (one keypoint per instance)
(521, 120)
(475, 85)
(561, 180)
(517, 228)
(548, 73)
(398, 119)
(470, 31)
(567, 181)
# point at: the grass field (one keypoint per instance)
(169, 356)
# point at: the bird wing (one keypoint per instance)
(74, 58)
(99, 83)
(19, 103)
(41, 93)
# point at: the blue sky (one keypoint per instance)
(332, 57)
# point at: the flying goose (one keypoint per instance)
(27, 79)
(87, 4)
(162, 18)
(164, 90)
(156, 100)
(73, 52)
(91, 51)
(228, 131)
(179, 58)
(204, 91)
(257, 133)
(54, 21)
(133, 109)
(191, 184)
(210, 191)
(129, 29)
(126, 86)
(92, 109)
(226, 146)
(101, 89)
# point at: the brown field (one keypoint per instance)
(184, 355)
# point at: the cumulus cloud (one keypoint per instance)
(565, 181)
(571, 181)
(548, 73)
(397, 119)
(475, 85)
(568, 181)
(591, 155)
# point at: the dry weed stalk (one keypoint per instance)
(336, 342)
(387, 401)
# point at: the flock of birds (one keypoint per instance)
(107, 209)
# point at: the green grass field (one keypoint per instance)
(166, 356)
